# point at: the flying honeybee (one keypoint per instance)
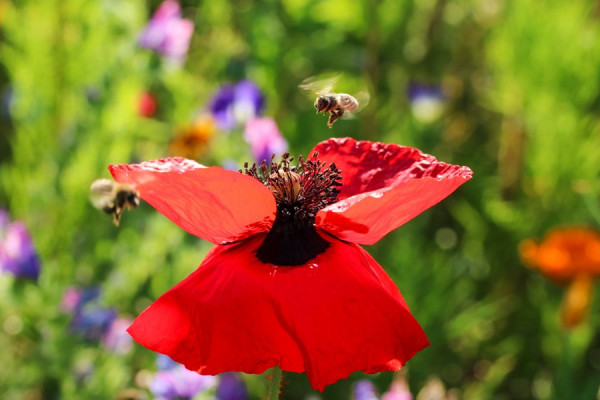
(112, 197)
(328, 101)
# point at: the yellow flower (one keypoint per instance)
(191, 141)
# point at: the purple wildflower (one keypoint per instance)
(231, 387)
(17, 254)
(364, 390)
(167, 33)
(89, 320)
(116, 339)
(94, 324)
(177, 382)
(234, 104)
(427, 101)
(164, 362)
(264, 138)
(420, 90)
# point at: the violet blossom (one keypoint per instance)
(94, 322)
(231, 387)
(173, 381)
(17, 253)
(427, 102)
(234, 104)
(364, 390)
(167, 33)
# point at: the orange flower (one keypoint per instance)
(572, 256)
(191, 140)
(564, 253)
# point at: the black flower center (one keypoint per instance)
(300, 192)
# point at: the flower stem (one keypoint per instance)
(273, 391)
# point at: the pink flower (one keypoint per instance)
(398, 390)
(264, 138)
(167, 33)
(116, 338)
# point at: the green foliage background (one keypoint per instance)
(523, 112)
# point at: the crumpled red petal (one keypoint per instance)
(383, 187)
(338, 314)
(213, 203)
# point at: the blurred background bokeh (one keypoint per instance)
(509, 88)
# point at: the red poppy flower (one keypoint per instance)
(288, 283)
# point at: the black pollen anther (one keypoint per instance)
(300, 192)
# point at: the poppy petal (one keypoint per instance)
(337, 314)
(383, 187)
(347, 315)
(213, 203)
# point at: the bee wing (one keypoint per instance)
(101, 193)
(101, 202)
(320, 84)
(362, 98)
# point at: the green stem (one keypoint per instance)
(592, 205)
(273, 392)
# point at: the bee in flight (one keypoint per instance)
(113, 198)
(328, 101)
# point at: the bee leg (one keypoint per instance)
(117, 215)
(116, 219)
(335, 114)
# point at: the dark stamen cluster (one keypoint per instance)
(320, 186)
(300, 192)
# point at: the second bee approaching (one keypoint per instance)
(329, 101)
(112, 197)
(336, 104)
